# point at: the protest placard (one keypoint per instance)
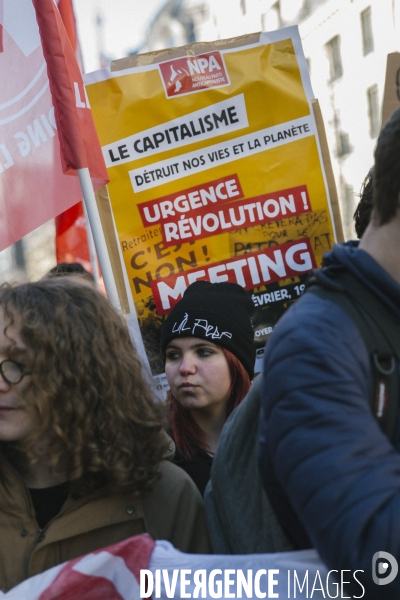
(216, 172)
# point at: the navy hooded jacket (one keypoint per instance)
(331, 474)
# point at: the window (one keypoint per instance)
(349, 195)
(343, 144)
(335, 61)
(291, 10)
(366, 31)
(19, 255)
(373, 111)
(348, 200)
(271, 20)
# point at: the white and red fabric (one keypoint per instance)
(113, 573)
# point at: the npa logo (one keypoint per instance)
(193, 74)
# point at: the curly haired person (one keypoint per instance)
(82, 449)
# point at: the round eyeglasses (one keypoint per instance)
(12, 372)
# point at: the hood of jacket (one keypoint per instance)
(367, 270)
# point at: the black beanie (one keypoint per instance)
(217, 312)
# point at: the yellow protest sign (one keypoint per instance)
(215, 173)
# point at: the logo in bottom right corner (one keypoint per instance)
(384, 568)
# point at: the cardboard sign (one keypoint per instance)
(217, 173)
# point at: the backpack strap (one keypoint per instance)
(381, 335)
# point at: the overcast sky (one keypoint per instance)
(124, 24)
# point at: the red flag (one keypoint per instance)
(68, 17)
(71, 230)
(80, 147)
(72, 237)
(33, 188)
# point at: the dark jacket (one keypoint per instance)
(331, 474)
(239, 517)
(198, 467)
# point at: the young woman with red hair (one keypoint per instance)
(208, 344)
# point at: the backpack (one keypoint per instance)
(380, 332)
(239, 515)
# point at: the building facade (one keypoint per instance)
(346, 43)
(30, 258)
